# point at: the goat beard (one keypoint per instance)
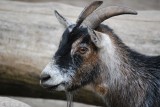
(69, 96)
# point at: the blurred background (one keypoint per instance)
(30, 34)
(136, 4)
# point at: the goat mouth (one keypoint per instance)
(58, 87)
(52, 87)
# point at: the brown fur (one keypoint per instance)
(90, 59)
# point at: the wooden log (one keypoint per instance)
(30, 33)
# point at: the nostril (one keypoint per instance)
(45, 77)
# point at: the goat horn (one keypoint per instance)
(98, 16)
(88, 10)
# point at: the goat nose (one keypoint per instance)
(44, 77)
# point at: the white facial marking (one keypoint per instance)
(58, 77)
(55, 74)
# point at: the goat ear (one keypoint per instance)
(63, 20)
(98, 38)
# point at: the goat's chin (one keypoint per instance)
(58, 88)
(51, 87)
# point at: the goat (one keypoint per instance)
(91, 54)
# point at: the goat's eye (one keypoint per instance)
(83, 50)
